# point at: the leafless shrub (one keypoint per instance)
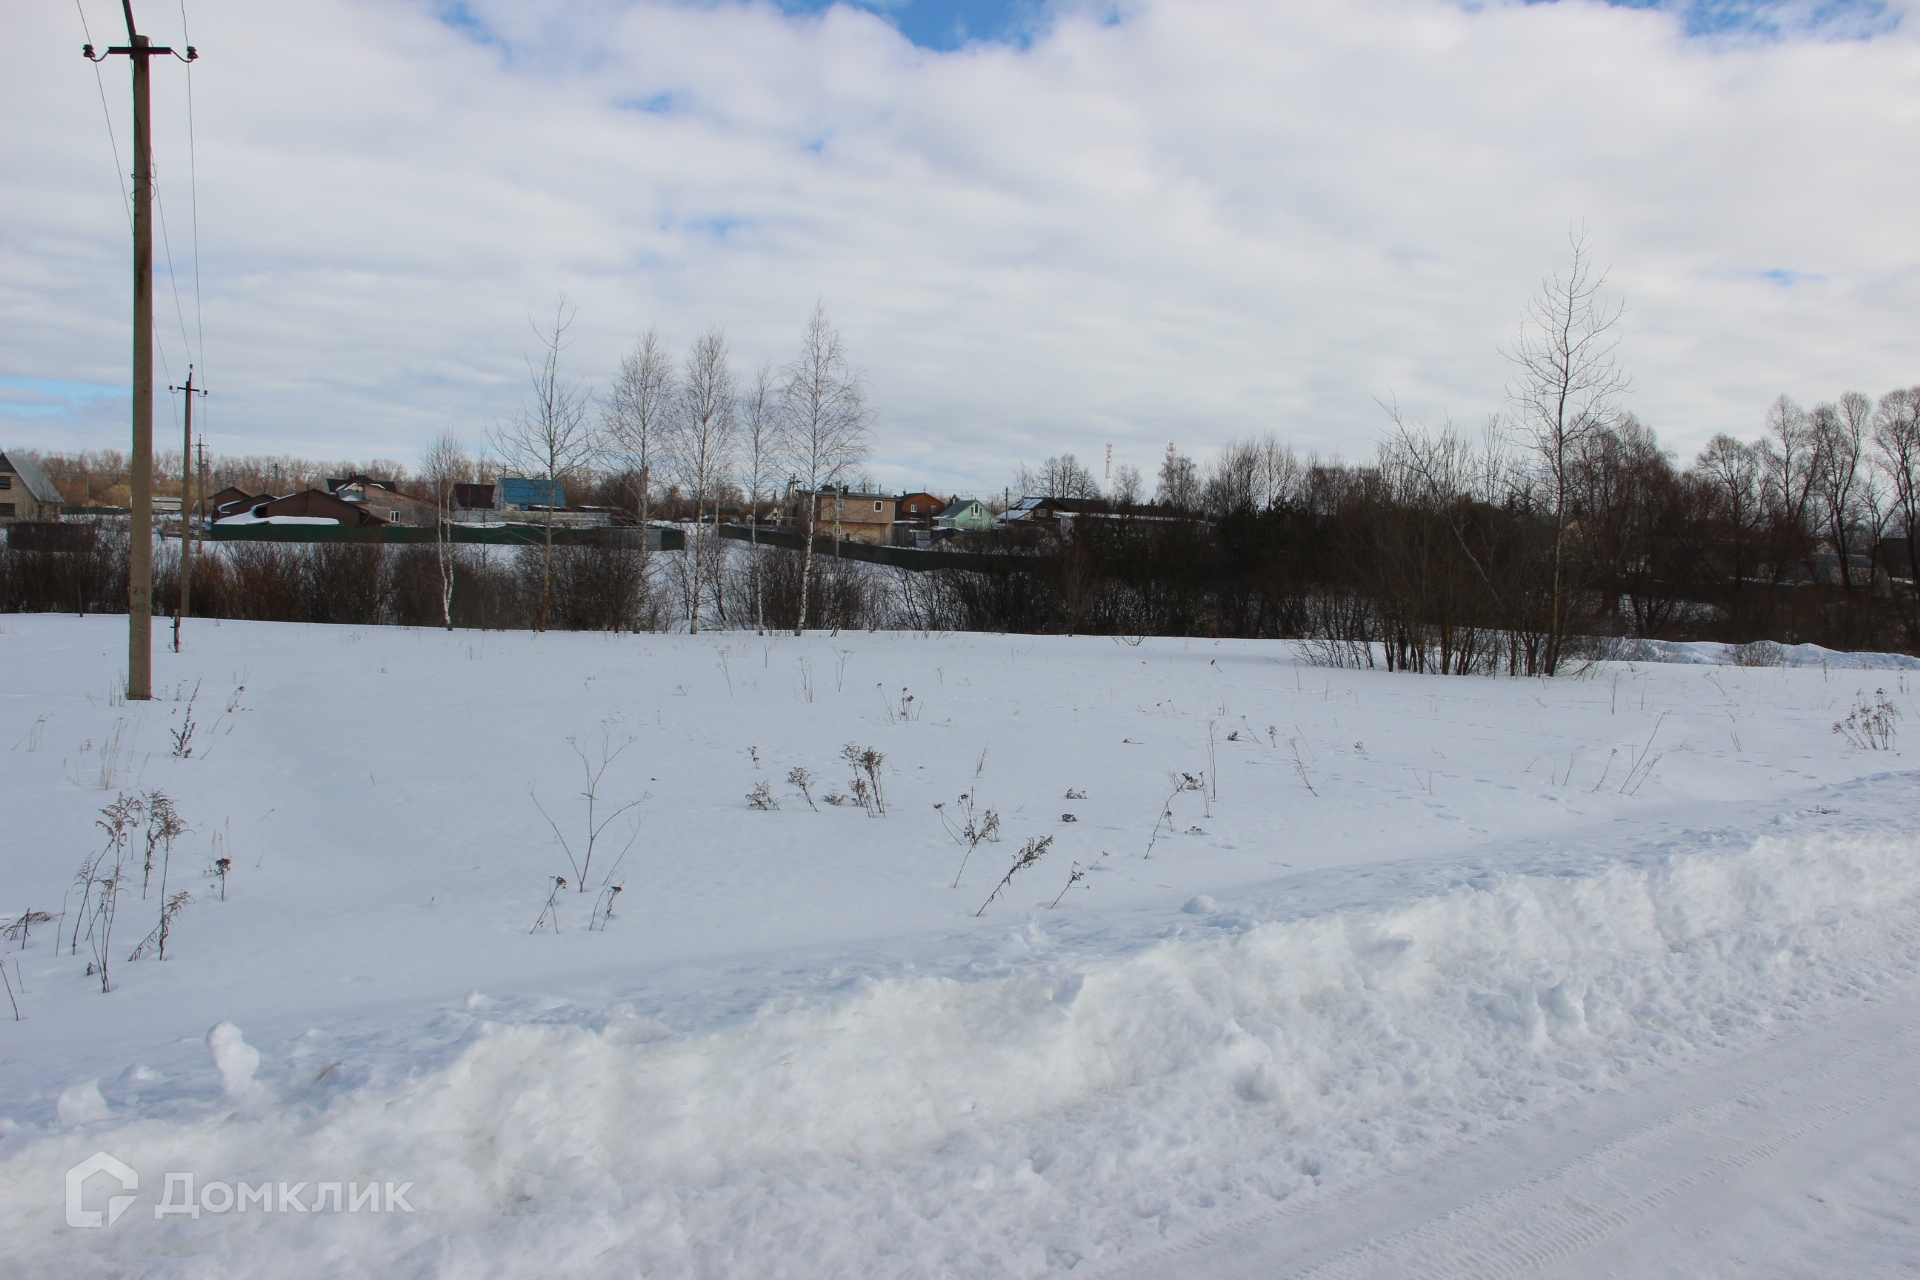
(219, 871)
(1870, 726)
(802, 781)
(596, 825)
(1758, 653)
(761, 797)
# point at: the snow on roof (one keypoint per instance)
(247, 517)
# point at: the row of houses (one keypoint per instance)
(364, 501)
(888, 519)
(916, 517)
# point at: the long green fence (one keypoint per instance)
(917, 559)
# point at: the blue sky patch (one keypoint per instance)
(1773, 19)
(658, 104)
(948, 24)
(48, 398)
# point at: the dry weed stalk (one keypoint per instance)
(1181, 782)
(551, 910)
(1074, 877)
(971, 829)
(1030, 853)
(866, 788)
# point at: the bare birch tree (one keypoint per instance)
(763, 444)
(701, 439)
(552, 436)
(1564, 395)
(635, 414)
(1179, 487)
(446, 464)
(823, 401)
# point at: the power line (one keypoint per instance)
(173, 277)
(193, 191)
(126, 201)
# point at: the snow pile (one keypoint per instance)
(1009, 1126)
(1764, 653)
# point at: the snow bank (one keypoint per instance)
(1011, 1126)
(1763, 653)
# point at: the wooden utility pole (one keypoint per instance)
(139, 51)
(186, 514)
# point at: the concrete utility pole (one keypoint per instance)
(186, 515)
(139, 51)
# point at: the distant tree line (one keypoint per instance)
(1440, 554)
(1562, 524)
(1559, 526)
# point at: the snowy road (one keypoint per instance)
(1773, 1162)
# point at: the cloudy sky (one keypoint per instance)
(1042, 226)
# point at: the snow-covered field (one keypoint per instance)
(1447, 966)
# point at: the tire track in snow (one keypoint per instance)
(1567, 1199)
(1573, 1204)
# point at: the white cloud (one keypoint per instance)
(1209, 218)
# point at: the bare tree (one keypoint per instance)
(1791, 464)
(1252, 475)
(446, 464)
(1731, 471)
(1565, 393)
(1179, 487)
(823, 401)
(634, 416)
(763, 444)
(700, 439)
(1896, 433)
(1840, 442)
(1127, 486)
(552, 436)
(1058, 477)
